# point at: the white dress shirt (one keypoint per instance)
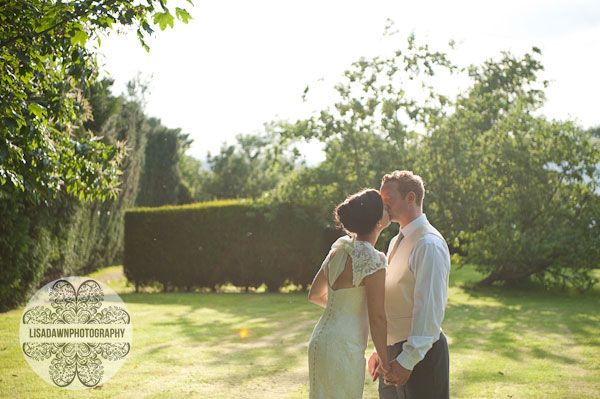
(430, 263)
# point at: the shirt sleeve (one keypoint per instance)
(431, 267)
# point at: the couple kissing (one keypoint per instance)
(397, 298)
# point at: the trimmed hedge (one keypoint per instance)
(235, 241)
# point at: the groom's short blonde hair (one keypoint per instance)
(407, 182)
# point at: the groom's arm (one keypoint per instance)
(430, 264)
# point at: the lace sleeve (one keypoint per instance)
(366, 261)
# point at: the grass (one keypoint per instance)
(504, 343)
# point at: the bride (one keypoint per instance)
(350, 285)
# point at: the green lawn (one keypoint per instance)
(503, 344)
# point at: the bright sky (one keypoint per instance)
(239, 64)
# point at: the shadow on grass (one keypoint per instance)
(280, 326)
(519, 324)
(479, 320)
(533, 308)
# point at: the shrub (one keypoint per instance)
(234, 241)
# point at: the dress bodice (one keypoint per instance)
(346, 311)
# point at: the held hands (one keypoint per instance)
(374, 366)
(393, 374)
(382, 369)
(398, 374)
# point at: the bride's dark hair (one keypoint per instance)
(360, 212)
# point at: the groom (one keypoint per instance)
(416, 291)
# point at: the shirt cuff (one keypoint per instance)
(409, 359)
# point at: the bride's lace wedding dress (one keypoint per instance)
(336, 351)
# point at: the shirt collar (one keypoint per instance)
(412, 226)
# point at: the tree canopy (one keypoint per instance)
(46, 60)
(513, 192)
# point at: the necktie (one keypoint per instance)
(396, 244)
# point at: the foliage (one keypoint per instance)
(254, 165)
(45, 65)
(381, 105)
(212, 243)
(515, 191)
(161, 179)
(23, 253)
(460, 149)
(500, 181)
(193, 175)
(40, 242)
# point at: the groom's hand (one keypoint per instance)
(373, 364)
(398, 374)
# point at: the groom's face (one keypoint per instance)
(393, 201)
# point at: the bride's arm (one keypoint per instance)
(318, 290)
(375, 285)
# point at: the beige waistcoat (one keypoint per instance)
(400, 285)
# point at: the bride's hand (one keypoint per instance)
(383, 368)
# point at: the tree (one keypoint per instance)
(254, 165)
(503, 183)
(514, 193)
(544, 209)
(193, 176)
(377, 117)
(45, 65)
(161, 179)
(383, 104)
(456, 149)
(39, 242)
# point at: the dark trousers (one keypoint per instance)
(430, 378)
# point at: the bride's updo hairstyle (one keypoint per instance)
(360, 212)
